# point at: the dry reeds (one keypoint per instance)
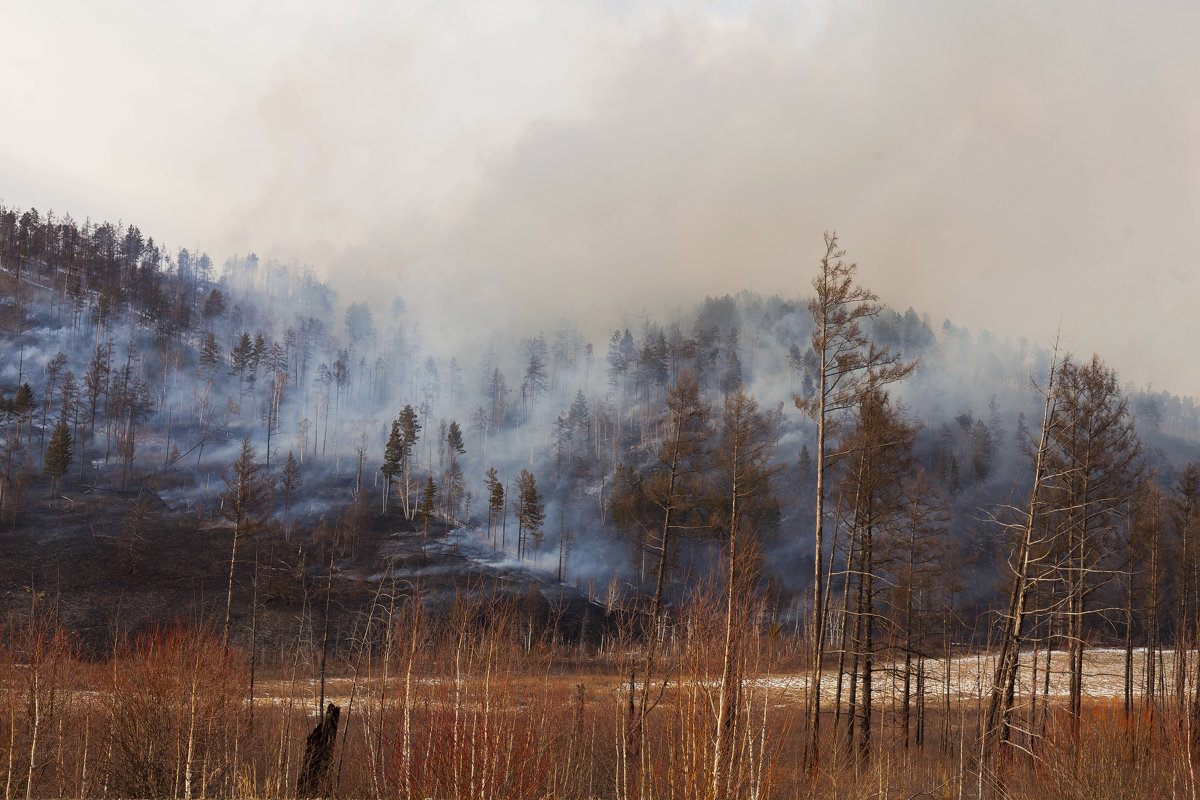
(480, 698)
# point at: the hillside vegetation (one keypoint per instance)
(556, 562)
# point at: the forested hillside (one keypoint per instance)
(207, 469)
(252, 405)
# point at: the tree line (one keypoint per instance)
(665, 447)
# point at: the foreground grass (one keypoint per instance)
(475, 705)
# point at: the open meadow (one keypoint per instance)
(467, 705)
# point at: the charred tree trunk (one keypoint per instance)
(841, 669)
(1152, 643)
(867, 643)
(855, 658)
(1000, 700)
(318, 755)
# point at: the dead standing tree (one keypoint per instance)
(671, 489)
(244, 503)
(848, 365)
(1025, 561)
(742, 466)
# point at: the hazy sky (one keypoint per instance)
(1004, 164)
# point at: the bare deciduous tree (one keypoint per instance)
(848, 365)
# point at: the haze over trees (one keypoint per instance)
(321, 446)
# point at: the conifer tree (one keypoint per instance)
(982, 451)
(410, 431)
(454, 441)
(393, 455)
(452, 482)
(57, 459)
(426, 512)
(536, 382)
(23, 407)
(210, 355)
(531, 512)
(495, 490)
(240, 358)
(805, 465)
(68, 402)
(258, 352)
(578, 415)
(290, 480)
(498, 396)
(54, 369)
(214, 305)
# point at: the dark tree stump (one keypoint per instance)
(318, 755)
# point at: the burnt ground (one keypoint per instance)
(75, 549)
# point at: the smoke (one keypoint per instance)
(1007, 166)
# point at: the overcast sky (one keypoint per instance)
(1007, 165)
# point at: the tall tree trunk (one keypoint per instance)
(868, 640)
(855, 660)
(837, 705)
(1152, 644)
(817, 625)
(229, 593)
(1000, 700)
(727, 695)
(1129, 641)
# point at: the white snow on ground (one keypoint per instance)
(970, 676)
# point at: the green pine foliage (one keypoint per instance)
(531, 511)
(58, 456)
(428, 503)
(210, 355)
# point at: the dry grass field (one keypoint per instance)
(467, 706)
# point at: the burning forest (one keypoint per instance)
(599, 401)
(244, 467)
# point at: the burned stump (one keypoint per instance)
(318, 755)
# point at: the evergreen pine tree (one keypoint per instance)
(410, 430)
(23, 402)
(393, 455)
(240, 358)
(290, 480)
(806, 466)
(578, 414)
(454, 439)
(495, 489)
(210, 355)
(983, 448)
(23, 407)
(257, 353)
(426, 512)
(214, 305)
(58, 454)
(531, 512)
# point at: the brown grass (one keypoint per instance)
(472, 704)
